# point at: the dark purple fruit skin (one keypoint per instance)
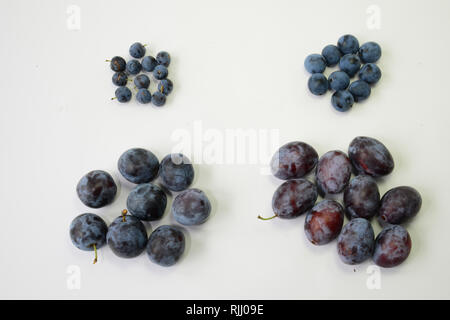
(324, 222)
(293, 160)
(356, 241)
(369, 156)
(392, 247)
(333, 172)
(293, 198)
(399, 204)
(362, 198)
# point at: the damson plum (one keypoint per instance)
(147, 202)
(88, 232)
(362, 198)
(293, 198)
(399, 205)
(392, 246)
(293, 160)
(333, 172)
(176, 172)
(166, 245)
(138, 165)
(356, 241)
(96, 189)
(369, 156)
(191, 207)
(127, 236)
(324, 222)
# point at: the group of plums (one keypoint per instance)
(127, 234)
(156, 66)
(368, 159)
(352, 60)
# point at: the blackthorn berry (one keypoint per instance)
(348, 44)
(165, 86)
(338, 80)
(370, 52)
(137, 50)
(144, 96)
(160, 72)
(350, 64)
(120, 79)
(331, 54)
(318, 84)
(123, 94)
(133, 67)
(163, 58)
(360, 90)
(142, 81)
(315, 63)
(342, 100)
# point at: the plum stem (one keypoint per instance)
(270, 218)
(113, 98)
(107, 60)
(95, 252)
(124, 213)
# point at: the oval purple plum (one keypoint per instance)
(324, 222)
(333, 172)
(293, 160)
(369, 156)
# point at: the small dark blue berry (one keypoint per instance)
(160, 72)
(165, 86)
(331, 54)
(133, 67)
(149, 63)
(360, 90)
(120, 79)
(370, 52)
(338, 80)
(142, 81)
(370, 73)
(348, 44)
(315, 63)
(143, 96)
(137, 50)
(318, 84)
(342, 100)
(350, 64)
(123, 94)
(166, 245)
(158, 99)
(163, 58)
(118, 64)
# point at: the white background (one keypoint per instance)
(236, 64)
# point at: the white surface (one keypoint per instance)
(236, 64)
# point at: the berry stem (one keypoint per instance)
(95, 252)
(270, 218)
(124, 213)
(107, 60)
